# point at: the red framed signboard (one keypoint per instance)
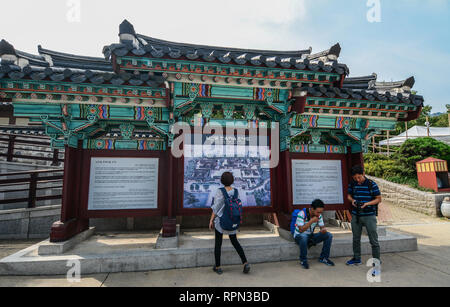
(312, 176)
(124, 183)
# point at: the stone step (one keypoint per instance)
(196, 249)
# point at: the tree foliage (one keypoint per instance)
(415, 150)
(435, 121)
(401, 166)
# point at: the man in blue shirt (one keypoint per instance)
(365, 196)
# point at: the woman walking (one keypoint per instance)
(218, 205)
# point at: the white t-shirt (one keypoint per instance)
(301, 221)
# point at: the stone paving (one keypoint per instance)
(9, 247)
(389, 214)
(429, 266)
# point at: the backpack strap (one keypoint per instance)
(371, 183)
(225, 193)
(307, 216)
(236, 194)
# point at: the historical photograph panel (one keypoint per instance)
(202, 179)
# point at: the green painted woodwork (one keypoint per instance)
(86, 112)
(211, 70)
(102, 144)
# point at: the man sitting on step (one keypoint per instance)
(307, 221)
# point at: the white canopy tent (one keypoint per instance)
(437, 133)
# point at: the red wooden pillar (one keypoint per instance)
(170, 222)
(357, 159)
(352, 160)
(277, 175)
(284, 184)
(71, 222)
(286, 171)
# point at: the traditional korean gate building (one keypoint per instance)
(125, 105)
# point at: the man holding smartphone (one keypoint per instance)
(365, 196)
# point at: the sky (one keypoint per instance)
(407, 37)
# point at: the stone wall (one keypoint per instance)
(407, 197)
(28, 223)
(13, 167)
(37, 222)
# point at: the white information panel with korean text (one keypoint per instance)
(317, 179)
(123, 183)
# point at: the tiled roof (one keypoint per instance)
(362, 83)
(140, 45)
(28, 130)
(404, 85)
(392, 91)
(57, 66)
(364, 94)
(370, 82)
(60, 59)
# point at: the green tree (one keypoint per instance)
(435, 121)
(415, 150)
(401, 166)
(426, 111)
(439, 121)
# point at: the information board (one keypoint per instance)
(123, 183)
(317, 179)
(204, 166)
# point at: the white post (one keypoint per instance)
(388, 143)
(406, 127)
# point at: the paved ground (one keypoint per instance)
(390, 214)
(8, 247)
(429, 266)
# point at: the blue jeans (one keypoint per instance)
(302, 241)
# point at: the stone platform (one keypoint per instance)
(128, 252)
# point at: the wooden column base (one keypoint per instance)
(284, 220)
(63, 231)
(169, 227)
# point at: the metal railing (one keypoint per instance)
(24, 148)
(29, 187)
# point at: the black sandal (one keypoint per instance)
(218, 270)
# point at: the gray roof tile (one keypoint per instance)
(69, 67)
(158, 48)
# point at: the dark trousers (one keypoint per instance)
(370, 222)
(234, 241)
